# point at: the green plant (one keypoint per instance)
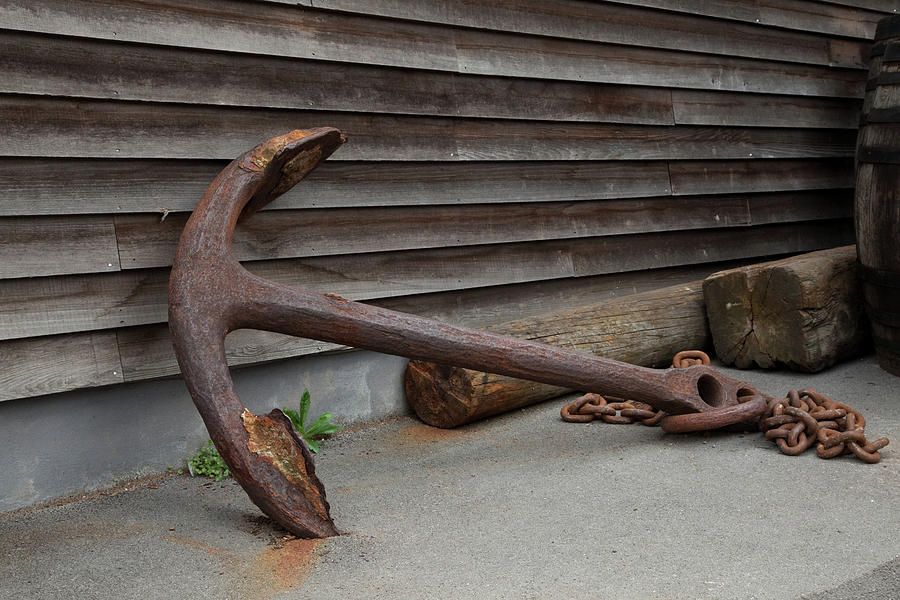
(318, 428)
(208, 463)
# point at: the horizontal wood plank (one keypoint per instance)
(803, 206)
(48, 365)
(52, 245)
(32, 247)
(299, 32)
(511, 55)
(610, 23)
(51, 305)
(147, 350)
(41, 306)
(738, 10)
(73, 186)
(692, 107)
(885, 6)
(733, 176)
(802, 15)
(644, 252)
(67, 66)
(815, 16)
(106, 129)
(486, 140)
(145, 242)
(237, 26)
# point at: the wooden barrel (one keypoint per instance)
(887, 32)
(877, 203)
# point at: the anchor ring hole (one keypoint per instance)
(745, 393)
(710, 390)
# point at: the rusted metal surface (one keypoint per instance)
(804, 418)
(749, 405)
(795, 423)
(210, 295)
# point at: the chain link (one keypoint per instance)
(619, 411)
(806, 417)
(795, 423)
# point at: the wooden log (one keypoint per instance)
(645, 329)
(803, 312)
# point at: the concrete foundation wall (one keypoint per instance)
(85, 440)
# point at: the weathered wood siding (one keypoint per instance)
(504, 157)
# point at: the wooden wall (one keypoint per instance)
(503, 157)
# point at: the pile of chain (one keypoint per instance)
(803, 418)
(794, 422)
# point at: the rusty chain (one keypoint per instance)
(803, 418)
(795, 423)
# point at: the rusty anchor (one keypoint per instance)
(211, 294)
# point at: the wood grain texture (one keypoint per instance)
(877, 213)
(240, 27)
(692, 107)
(136, 130)
(40, 306)
(111, 129)
(800, 206)
(802, 15)
(48, 365)
(73, 186)
(816, 16)
(732, 176)
(38, 246)
(738, 10)
(484, 140)
(145, 242)
(611, 23)
(78, 186)
(878, 143)
(885, 6)
(147, 350)
(646, 329)
(51, 305)
(804, 312)
(513, 55)
(300, 32)
(877, 219)
(52, 245)
(67, 66)
(884, 99)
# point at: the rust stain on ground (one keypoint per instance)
(281, 568)
(421, 433)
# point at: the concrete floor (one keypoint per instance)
(520, 506)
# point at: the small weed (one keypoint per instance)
(320, 427)
(208, 463)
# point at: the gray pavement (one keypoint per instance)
(519, 506)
